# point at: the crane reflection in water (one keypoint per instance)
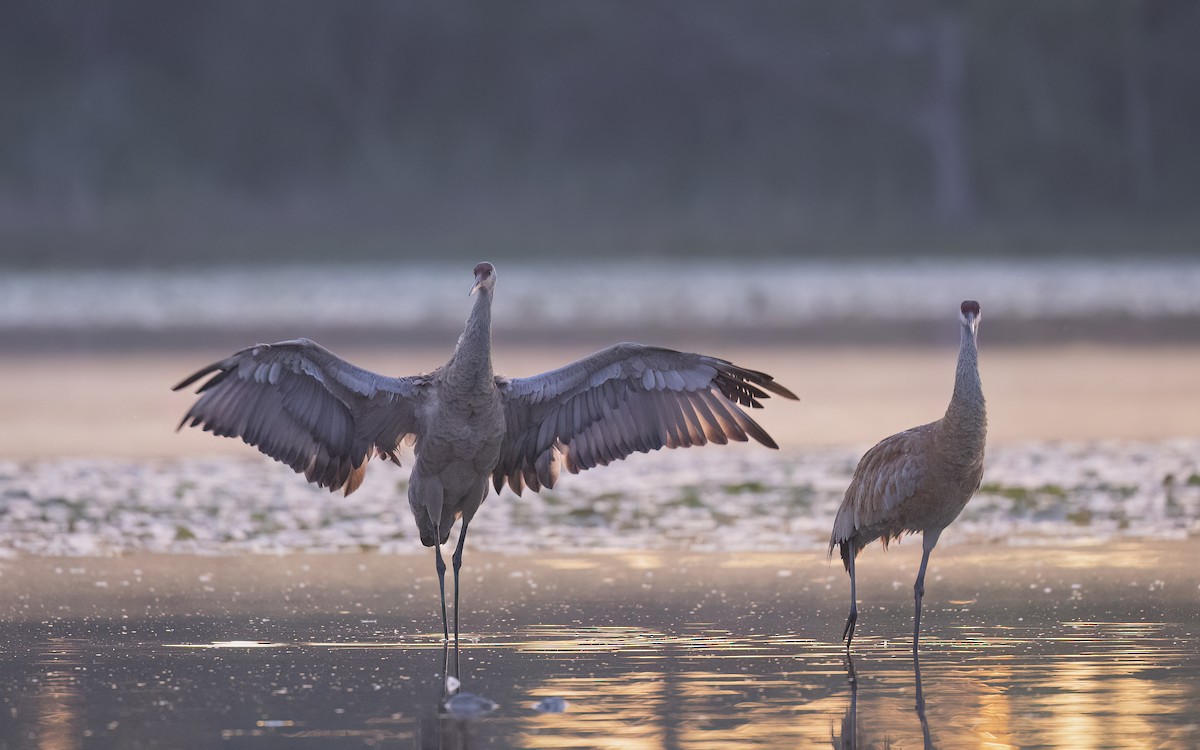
(851, 736)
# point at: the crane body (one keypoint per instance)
(918, 480)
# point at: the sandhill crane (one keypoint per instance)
(300, 404)
(919, 479)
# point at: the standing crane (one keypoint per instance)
(302, 405)
(919, 479)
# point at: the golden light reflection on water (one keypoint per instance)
(59, 698)
(1077, 685)
(760, 560)
(645, 560)
(727, 653)
(602, 713)
(227, 644)
(642, 642)
(687, 707)
(1094, 557)
(571, 563)
(1096, 685)
(1091, 687)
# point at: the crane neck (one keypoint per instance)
(472, 359)
(966, 417)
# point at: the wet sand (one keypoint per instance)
(120, 405)
(1047, 648)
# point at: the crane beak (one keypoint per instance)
(972, 321)
(475, 288)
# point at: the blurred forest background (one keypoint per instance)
(158, 133)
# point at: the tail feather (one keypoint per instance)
(846, 549)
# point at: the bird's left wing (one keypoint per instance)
(301, 404)
(887, 475)
(625, 399)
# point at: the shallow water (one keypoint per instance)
(1085, 647)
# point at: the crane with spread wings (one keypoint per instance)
(302, 405)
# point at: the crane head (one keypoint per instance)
(969, 313)
(485, 277)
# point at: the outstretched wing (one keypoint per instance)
(625, 399)
(302, 405)
(886, 476)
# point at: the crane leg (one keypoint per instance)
(445, 673)
(426, 497)
(456, 561)
(852, 618)
(928, 541)
(440, 565)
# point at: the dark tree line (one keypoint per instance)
(583, 126)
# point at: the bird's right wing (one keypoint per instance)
(625, 399)
(304, 406)
(886, 476)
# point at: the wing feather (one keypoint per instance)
(725, 422)
(691, 422)
(302, 405)
(887, 475)
(708, 422)
(625, 399)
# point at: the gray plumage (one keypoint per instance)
(300, 404)
(919, 479)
